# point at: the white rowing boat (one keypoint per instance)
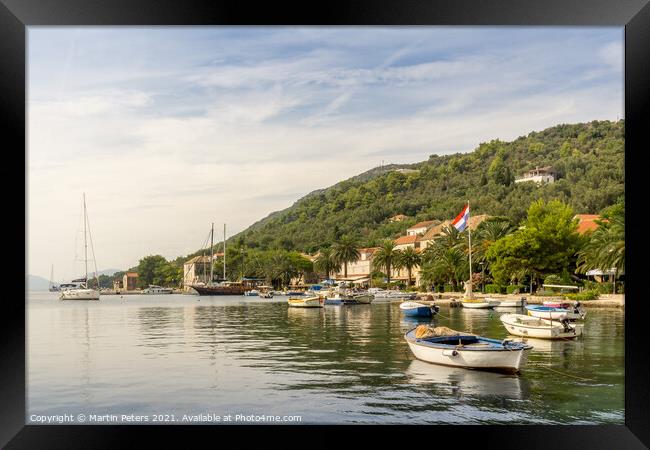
(469, 351)
(477, 303)
(529, 326)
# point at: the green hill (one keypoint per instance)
(588, 157)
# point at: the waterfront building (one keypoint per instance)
(359, 269)
(410, 240)
(195, 271)
(539, 175)
(421, 227)
(435, 231)
(130, 281)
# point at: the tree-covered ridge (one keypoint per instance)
(588, 158)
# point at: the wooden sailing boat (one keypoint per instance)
(225, 287)
(83, 292)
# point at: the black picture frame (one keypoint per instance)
(634, 15)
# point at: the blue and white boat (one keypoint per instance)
(469, 351)
(418, 309)
(554, 313)
(295, 293)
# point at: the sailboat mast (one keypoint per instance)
(224, 252)
(51, 276)
(211, 254)
(85, 240)
(469, 231)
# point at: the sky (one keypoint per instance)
(167, 129)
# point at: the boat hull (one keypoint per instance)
(309, 302)
(395, 295)
(548, 312)
(509, 360)
(219, 290)
(528, 326)
(334, 301)
(556, 304)
(509, 303)
(414, 309)
(79, 294)
(479, 304)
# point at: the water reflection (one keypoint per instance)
(467, 383)
(338, 364)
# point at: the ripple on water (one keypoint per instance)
(189, 355)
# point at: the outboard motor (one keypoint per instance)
(576, 307)
(523, 301)
(565, 324)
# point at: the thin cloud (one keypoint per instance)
(182, 127)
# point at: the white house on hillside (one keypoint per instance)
(539, 175)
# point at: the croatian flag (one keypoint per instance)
(461, 220)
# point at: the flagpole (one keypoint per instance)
(469, 233)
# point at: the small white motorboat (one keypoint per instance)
(393, 294)
(535, 327)
(153, 289)
(307, 302)
(550, 312)
(478, 303)
(363, 299)
(252, 293)
(518, 303)
(466, 350)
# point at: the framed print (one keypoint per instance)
(356, 214)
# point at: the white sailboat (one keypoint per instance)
(52, 287)
(83, 292)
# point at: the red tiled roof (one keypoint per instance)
(406, 239)
(474, 222)
(368, 250)
(587, 222)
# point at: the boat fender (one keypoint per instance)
(450, 353)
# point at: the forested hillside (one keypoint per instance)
(589, 159)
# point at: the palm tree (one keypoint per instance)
(386, 257)
(450, 237)
(345, 251)
(606, 247)
(487, 233)
(326, 262)
(409, 258)
(446, 258)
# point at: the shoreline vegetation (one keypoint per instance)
(529, 239)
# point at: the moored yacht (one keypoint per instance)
(83, 292)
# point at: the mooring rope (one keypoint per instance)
(568, 375)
